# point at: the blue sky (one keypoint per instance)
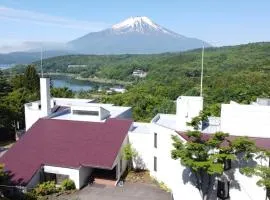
(219, 22)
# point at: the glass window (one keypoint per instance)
(155, 163)
(85, 112)
(155, 140)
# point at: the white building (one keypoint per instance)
(69, 138)
(139, 73)
(154, 144)
(70, 109)
(81, 129)
(118, 90)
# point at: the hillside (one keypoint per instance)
(239, 73)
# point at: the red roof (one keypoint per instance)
(65, 143)
(263, 143)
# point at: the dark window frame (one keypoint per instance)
(155, 163)
(155, 140)
(223, 189)
(85, 112)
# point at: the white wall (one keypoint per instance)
(74, 174)
(176, 176)
(118, 158)
(85, 173)
(245, 120)
(31, 116)
(141, 142)
(45, 97)
(187, 108)
(168, 171)
(248, 188)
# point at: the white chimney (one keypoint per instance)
(187, 107)
(45, 97)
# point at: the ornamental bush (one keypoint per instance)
(68, 184)
(46, 188)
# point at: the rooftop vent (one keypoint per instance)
(97, 112)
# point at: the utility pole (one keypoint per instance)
(201, 93)
(41, 57)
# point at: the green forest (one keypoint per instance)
(240, 73)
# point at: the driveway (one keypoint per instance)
(130, 191)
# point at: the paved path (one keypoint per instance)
(130, 191)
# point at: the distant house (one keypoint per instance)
(139, 73)
(76, 66)
(118, 90)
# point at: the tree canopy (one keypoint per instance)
(206, 158)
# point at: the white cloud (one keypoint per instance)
(7, 13)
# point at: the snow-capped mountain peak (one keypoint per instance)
(134, 35)
(135, 22)
(140, 25)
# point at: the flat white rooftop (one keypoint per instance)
(165, 120)
(115, 111)
(61, 102)
(140, 127)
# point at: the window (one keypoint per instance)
(85, 112)
(49, 176)
(223, 189)
(155, 140)
(60, 178)
(57, 178)
(155, 163)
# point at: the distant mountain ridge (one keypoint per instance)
(135, 35)
(28, 57)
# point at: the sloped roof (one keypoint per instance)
(65, 143)
(263, 143)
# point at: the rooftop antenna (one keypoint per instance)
(41, 57)
(201, 93)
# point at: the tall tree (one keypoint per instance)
(62, 92)
(206, 157)
(4, 85)
(31, 79)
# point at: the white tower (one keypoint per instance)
(45, 97)
(187, 107)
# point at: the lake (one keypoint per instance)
(75, 85)
(72, 84)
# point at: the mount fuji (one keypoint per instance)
(135, 35)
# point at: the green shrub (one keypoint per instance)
(46, 188)
(30, 196)
(68, 184)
